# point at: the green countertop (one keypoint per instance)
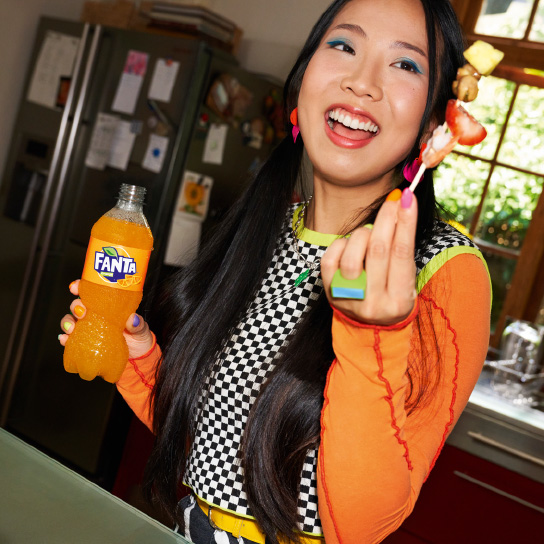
(43, 502)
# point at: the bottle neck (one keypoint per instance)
(129, 205)
(131, 198)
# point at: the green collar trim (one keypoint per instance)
(311, 236)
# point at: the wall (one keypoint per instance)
(274, 31)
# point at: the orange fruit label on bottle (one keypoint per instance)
(120, 267)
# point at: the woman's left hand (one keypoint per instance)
(387, 254)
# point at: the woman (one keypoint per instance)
(264, 409)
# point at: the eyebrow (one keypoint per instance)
(354, 28)
(411, 47)
(396, 45)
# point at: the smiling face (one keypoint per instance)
(364, 92)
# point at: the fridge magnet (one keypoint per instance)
(155, 153)
(62, 93)
(130, 83)
(161, 116)
(228, 98)
(214, 146)
(163, 80)
(204, 121)
(202, 126)
(253, 133)
(194, 195)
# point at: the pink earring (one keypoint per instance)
(294, 121)
(410, 170)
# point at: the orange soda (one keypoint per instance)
(111, 288)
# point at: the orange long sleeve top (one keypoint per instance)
(374, 455)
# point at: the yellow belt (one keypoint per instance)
(244, 527)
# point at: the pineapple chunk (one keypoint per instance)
(483, 56)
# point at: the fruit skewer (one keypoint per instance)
(464, 128)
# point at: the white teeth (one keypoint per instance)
(349, 122)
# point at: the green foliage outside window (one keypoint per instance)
(511, 195)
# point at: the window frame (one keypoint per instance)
(526, 292)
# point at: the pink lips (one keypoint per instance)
(343, 141)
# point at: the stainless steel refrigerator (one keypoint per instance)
(50, 197)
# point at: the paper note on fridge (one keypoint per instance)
(215, 144)
(98, 154)
(55, 63)
(130, 83)
(183, 241)
(194, 195)
(163, 80)
(155, 153)
(121, 145)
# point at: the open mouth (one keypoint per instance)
(350, 125)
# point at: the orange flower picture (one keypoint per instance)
(194, 194)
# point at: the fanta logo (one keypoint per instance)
(112, 266)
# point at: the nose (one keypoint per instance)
(364, 80)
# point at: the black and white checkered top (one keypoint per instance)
(213, 471)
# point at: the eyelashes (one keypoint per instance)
(408, 65)
(341, 45)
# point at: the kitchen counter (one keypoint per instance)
(43, 501)
(502, 432)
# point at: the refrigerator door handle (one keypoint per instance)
(32, 278)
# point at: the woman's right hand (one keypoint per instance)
(137, 334)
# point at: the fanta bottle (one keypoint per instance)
(110, 288)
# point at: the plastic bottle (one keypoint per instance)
(110, 288)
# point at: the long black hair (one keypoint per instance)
(206, 300)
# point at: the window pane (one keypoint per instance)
(508, 208)
(490, 109)
(523, 145)
(501, 270)
(506, 18)
(459, 182)
(537, 31)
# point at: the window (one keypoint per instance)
(494, 190)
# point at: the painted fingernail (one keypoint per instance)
(407, 197)
(58, 337)
(368, 226)
(66, 326)
(79, 311)
(71, 285)
(136, 320)
(394, 195)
